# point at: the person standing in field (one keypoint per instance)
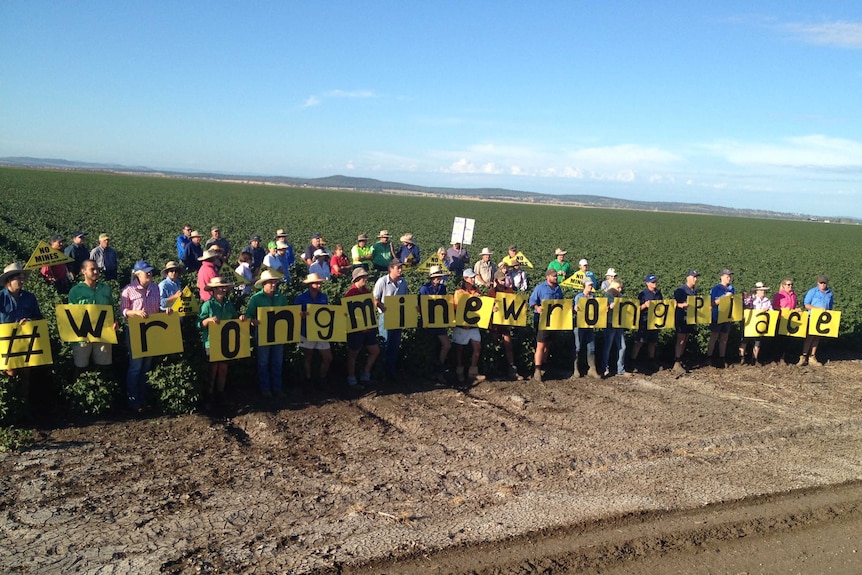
(756, 300)
(271, 261)
(464, 336)
(512, 255)
(288, 258)
(614, 336)
(243, 270)
(560, 265)
(320, 265)
(106, 258)
(719, 332)
(210, 265)
(339, 265)
(518, 275)
(683, 330)
(408, 253)
(360, 253)
(504, 332)
(382, 252)
(457, 259)
(171, 287)
(548, 289)
(91, 291)
(270, 358)
(214, 311)
(58, 275)
(485, 268)
(435, 287)
(314, 296)
(140, 298)
(389, 285)
(17, 306)
(357, 340)
(78, 251)
(818, 297)
(610, 276)
(194, 250)
(583, 273)
(257, 253)
(216, 239)
(784, 299)
(645, 335)
(585, 337)
(316, 244)
(183, 240)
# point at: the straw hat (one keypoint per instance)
(611, 273)
(268, 276)
(759, 286)
(217, 282)
(436, 272)
(560, 252)
(486, 252)
(362, 238)
(196, 234)
(407, 239)
(210, 254)
(313, 278)
(358, 273)
(384, 234)
(13, 269)
(171, 265)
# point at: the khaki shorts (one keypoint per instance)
(305, 344)
(100, 352)
(462, 336)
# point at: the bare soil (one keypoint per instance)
(740, 470)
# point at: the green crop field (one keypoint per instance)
(144, 215)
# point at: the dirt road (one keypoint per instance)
(656, 474)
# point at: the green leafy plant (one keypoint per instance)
(92, 393)
(176, 387)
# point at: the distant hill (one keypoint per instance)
(379, 186)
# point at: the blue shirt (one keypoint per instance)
(13, 310)
(320, 268)
(304, 299)
(167, 288)
(716, 292)
(429, 289)
(542, 292)
(816, 298)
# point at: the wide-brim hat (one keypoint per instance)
(758, 286)
(486, 252)
(172, 265)
(407, 239)
(13, 269)
(358, 273)
(218, 282)
(268, 276)
(280, 232)
(280, 245)
(313, 278)
(436, 272)
(384, 234)
(210, 254)
(611, 272)
(195, 234)
(320, 253)
(560, 252)
(362, 237)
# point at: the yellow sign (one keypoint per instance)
(574, 281)
(730, 308)
(278, 325)
(625, 313)
(474, 311)
(661, 314)
(402, 311)
(793, 323)
(823, 322)
(698, 310)
(556, 315)
(25, 344)
(86, 322)
(592, 312)
(359, 312)
(437, 310)
(760, 323)
(511, 309)
(158, 334)
(45, 255)
(187, 304)
(229, 339)
(238, 278)
(325, 323)
(523, 259)
(434, 260)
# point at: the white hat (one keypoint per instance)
(486, 252)
(313, 278)
(560, 252)
(611, 272)
(583, 262)
(13, 269)
(436, 272)
(267, 276)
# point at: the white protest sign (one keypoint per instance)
(462, 231)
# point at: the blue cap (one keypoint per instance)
(142, 266)
(692, 273)
(315, 236)
(650, 278)
(79, 234)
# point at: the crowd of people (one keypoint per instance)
(237, 287)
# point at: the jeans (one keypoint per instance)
(585, 336)
(136, 378)
(615, 336)
(270, 362)
(391, 348)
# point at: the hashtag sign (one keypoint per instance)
(24, 345)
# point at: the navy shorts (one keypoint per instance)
(360, 339)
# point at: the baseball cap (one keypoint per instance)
(726, 272)
(692, 273)
(255, 238)
(650, 278)
(468, 273)
(583, 262)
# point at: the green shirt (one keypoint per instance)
(381, 254)
(563, 270)
(212, 308)
(81, 293)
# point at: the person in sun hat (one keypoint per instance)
(320, 265)
(719, 332)
(756, 299)
(457, 259)
(683, 329)
(313, 295)
(463, 336)
(390, 284)
(585, 337)
(610, 276)
(435, 287)
(211, 263)
(408, 253)
(213, 311)
(818, 297)
(485, 268)
(78, 251)
(614, 336)
(139, 298)
(17, 306)
(518, 276)
(194, 250)
(289, 256)
(171, 287)
(105, 257)
(270, 358)
(560, 265)
(644, 335)
(360, 253)
(784, 299)
(357, 340)
(382, 252)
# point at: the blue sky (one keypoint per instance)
(742, 104)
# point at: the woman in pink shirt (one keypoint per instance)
(784, 299)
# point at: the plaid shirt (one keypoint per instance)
(136, 297)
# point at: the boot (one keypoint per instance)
(514, 375)
(813, 361)
(803, 360)
(537, 374)
(474, 376)
(678, 368)
(592, 371)
(459, 374)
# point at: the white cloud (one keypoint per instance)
(311, 101)
(463, 166)
(350, 94)
(841, 34)
(625, 154)
(813, 152)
